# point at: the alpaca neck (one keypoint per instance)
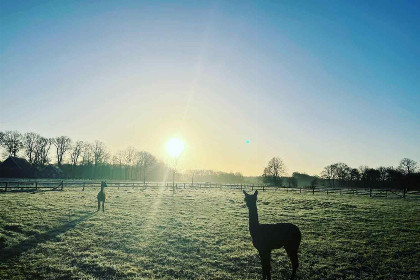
(253, 219)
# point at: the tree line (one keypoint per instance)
(405, 175)
(87, 160)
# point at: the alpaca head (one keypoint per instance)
(103, 185)
(251, 199)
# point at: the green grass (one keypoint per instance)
(202, 234)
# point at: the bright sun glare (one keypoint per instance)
(175, 147)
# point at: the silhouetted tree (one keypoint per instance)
(30, 140)
(274, 171)
(342, 172)
(99, 152)
(407, 166)
(87, 154)
(372, 176)
(42, 148)
(12, 142)
(62, 144)
(329, 174)
(354, 176)
(76, 152)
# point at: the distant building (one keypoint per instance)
(14, 167)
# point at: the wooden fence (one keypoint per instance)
(36, 185)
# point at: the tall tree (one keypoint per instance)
(130, 160)
(274, 170)
(12, 141)
(407, 166)
(342, 172)
(329, 174)
(30, 140)
(99, 153)
(76, 152)
(62, 144)
(42, 148)
(144, 161)
(87, 154)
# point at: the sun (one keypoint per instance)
(175, 146)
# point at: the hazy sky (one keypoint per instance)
(314, 83)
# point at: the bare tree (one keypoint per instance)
(12, 142)
(130, 160)
(42, 148)
(30, 140)
(76, 152)
(118, 158)
(407, 166)
(144, 161)
(329, 174)
(62, 144)
(274, 171)
(99, 153)
(383, 173)
(87, 154)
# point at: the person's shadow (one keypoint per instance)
(9, 253)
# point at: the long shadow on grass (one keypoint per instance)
(28, 244)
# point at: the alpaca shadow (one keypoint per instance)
(7, 254)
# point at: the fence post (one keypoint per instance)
(313, 190)
(386, 193)
(405, 191)
(300, 189)
(5, 188)
(83, 187)
(62, 185)
(252, 187)
(370, 192)
(36, 185)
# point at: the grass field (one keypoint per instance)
(202, 234)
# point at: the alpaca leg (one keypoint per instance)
(99, 205)
(262, 265)
(103, 206)
(265, 263)
(292, 253)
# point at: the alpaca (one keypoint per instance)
(266, 237)
(101, 197)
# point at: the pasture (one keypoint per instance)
(202, 234)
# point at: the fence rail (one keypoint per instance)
(35, 185)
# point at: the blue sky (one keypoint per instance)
(313, 82)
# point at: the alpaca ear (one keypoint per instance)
(245, 193)
(255, 193)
